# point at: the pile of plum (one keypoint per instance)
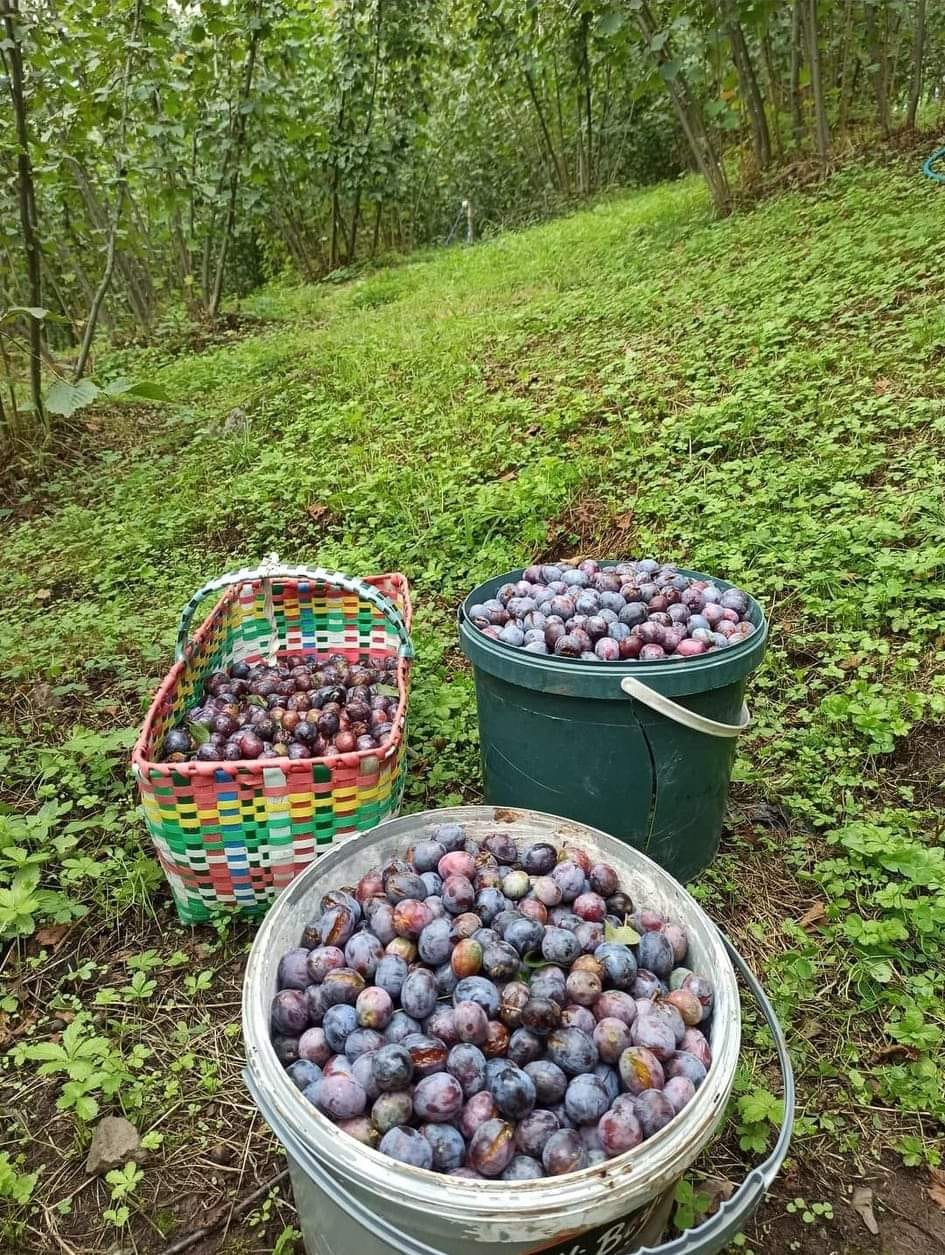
(486, 1011)
(634, 610)
(302, 707)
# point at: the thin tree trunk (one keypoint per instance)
(821, 129)
(918, 53)
(847, 41)
(11, 386)
(588, 115)
(559, 108)
(877, 54)
(690, 119)
(27, 202)
(239, 140)
(91, 322)
(544, 126)
(774, 89)
(797, 118)
(377, 227)
(136, 299)
(749, 89)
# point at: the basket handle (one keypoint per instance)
(272, 568)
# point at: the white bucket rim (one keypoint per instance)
(615, 1188)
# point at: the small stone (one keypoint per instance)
(114, 1142)
(221, 1154)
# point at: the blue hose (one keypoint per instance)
(927, 167)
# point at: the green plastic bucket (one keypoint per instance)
(640, 750)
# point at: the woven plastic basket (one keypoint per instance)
(233, 835)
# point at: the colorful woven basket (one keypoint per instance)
(233, 835)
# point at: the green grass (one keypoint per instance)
(761, 398)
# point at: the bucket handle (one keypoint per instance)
(680, 714)
(271, 568)
(712, 1236)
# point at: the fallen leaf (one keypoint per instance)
(936, 1190)
(862, 1204)
(52, 935)
(43, 594)
(813, 915)
(897, 1051)
(719, 1190)
(318, 511)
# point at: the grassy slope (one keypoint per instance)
(762, 398)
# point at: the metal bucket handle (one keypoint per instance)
(711, 1236)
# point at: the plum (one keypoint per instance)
(322, 960)
(342, 985)
(524, 1047)
(408, 1146)
(293, 972)
(640, 1070)
(576, 1016)
(478, 1109)
(619, 1130)
(653, 1110)
(392, 1067)
(612, 1038)
(514, 996)
(363, 953)
(688, 1006)
(391, 1109)
(573, 1051)
(427, 1054)
(678, 1092)
(339, 1097)
(447, 1144)
(686, 1065)
(694, 1043)
(471, 1021)
(458, 894)
(289, 1012)
(438, 1098)
(541, 1015)
(303, 1073)
(522, 1168)
(539, 859)
(496, 1043)
(586, 1099)
(703, 990)
(467, 1064)
(374, 1008)
(615, 1004)
(479, 990)
(550, 982)
(491, 1147)
(418, 993)
(411, 917)
(549, 1080)
(583, 987)
(559, 946)
(564, 1152)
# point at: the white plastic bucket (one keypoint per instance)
(352, 1200)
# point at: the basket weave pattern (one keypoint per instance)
(233, 835)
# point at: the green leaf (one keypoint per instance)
(623, 936)
(254, 699)
(387, 690)
(65, 398)
(200, 734)
(610, 22)
(669, 71)
(148, 391)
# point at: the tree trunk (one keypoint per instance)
(137, 301)
(530, 83)
(27, 203)
(797, 117)
(846, 43)
(748, 83)
(588, 115)
(377, 227)
(877, 54)
(918, 53)
(91, 322)
(239, 140)
(774, 88)
(821, 129)
(690, 119)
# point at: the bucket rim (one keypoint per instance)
(579, 677)
(618, 1186)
